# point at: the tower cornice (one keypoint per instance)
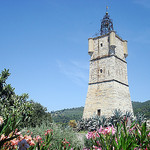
(101, 36)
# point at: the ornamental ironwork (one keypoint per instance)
(106, 25)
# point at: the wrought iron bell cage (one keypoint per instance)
(106, 25)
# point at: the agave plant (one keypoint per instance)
(140, 118)
(91, 124)
(116, 117)
(129, 114)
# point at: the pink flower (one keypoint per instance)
(139, 131)
(37, 138)
(98, 143)
(113, 130)
(148, 134)
(116, 141)
(92, 135)
(101, 129)
(2, 137)
(49, 131)
(89, 135)
(107, 130)
(18, 133)
(31, 143)
(20, 137)
(1, 120)
(28, 138)
(14, 142)
(97, 148)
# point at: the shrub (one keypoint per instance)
(13, 104)
(39, 115)
(137, 137)
(8, 130)
(59, 132)
(30, 143)
(72, 123)
(91, 124)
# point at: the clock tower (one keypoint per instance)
(108, 87)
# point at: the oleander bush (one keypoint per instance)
(123, 137)
(135, 137)
(29, 142)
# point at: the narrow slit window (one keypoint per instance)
(101, 44)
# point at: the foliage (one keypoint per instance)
(16, 111)
(13, 104)
(31, 113)
(91, 124)
(39, 115)
(116, 117)
(119, 117)
(142, 107)
(7, 128)
(95, 122)
(64, 116)
(33, 143)
(60, 133)
(137, 137)
(140, 118)
(72, 123)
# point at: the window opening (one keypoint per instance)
(98, 112)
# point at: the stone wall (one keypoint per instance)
(107, 97)
(108, 82)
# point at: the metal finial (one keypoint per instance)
(106, 9)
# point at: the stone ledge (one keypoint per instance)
(98, 58)
(109, 81)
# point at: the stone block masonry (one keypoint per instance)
(108, 81)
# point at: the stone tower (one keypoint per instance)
(108, 87)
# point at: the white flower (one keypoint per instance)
(23, 145)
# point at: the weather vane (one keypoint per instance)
(106, 8)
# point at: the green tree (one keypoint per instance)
(39, 115)
(11, 104)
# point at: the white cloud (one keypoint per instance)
(79, 64)
(142, 37)
(77, 71)
(145, 3)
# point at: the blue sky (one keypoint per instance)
(44, 43)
